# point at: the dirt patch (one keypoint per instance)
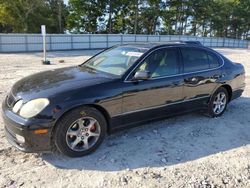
(184, 151)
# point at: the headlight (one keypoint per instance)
(34, 107)
(17, 106)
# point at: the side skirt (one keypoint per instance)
(117, 128)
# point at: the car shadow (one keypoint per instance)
(172, 141)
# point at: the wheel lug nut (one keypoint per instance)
(82, 137)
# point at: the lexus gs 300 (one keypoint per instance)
(72, 109)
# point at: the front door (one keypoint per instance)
(160, 94)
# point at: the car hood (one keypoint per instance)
(51, 82)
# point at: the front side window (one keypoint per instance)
(115, 60)
(162, 62)
(194, 59)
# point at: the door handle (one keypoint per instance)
(191, 80)
(194, 79)
(218, 76)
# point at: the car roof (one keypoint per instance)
(150, 45)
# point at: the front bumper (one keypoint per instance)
(14, 125)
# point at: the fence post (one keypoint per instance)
(107, 43)
(26, 42)
(121, 38)
(89, 41)
(50, 42)
(1, 48)
(71, 41)
(223, 44)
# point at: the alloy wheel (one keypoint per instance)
(83, 134)
(219, 103)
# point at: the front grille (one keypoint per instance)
(10, 100)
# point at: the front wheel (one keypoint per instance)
(80, 132)
(218, 103)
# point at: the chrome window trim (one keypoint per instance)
(181, 74)
(159, 106)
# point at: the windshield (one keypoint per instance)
(115, 60)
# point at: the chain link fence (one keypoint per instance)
(33, 42)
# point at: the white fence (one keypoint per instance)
(33, 42)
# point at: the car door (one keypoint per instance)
(160, 94)
(200, 70)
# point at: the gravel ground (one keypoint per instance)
(186, 151)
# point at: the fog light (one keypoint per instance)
(20, 138)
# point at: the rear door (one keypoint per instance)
(200, 71)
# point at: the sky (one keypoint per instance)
(66, 1)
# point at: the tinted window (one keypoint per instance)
(213, 60)
(162, 62)
(115, 60)
(194, 59)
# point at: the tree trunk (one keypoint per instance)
(154, 26)
(60, 16)
(136, 16)
(110, 16)
(185, 26)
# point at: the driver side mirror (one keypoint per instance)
(141, 75)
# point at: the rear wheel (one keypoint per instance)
(218, 103)
(80, 132)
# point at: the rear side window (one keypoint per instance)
(194, 59)
(213, 60)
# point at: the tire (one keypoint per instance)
(212, 112)
(74, 135)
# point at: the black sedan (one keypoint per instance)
(72, 109)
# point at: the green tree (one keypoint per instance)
(219, 18)
(151, 12)
(57, 16)
(121, 22)
(22, 15)
(84, 15)
(26, 16)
